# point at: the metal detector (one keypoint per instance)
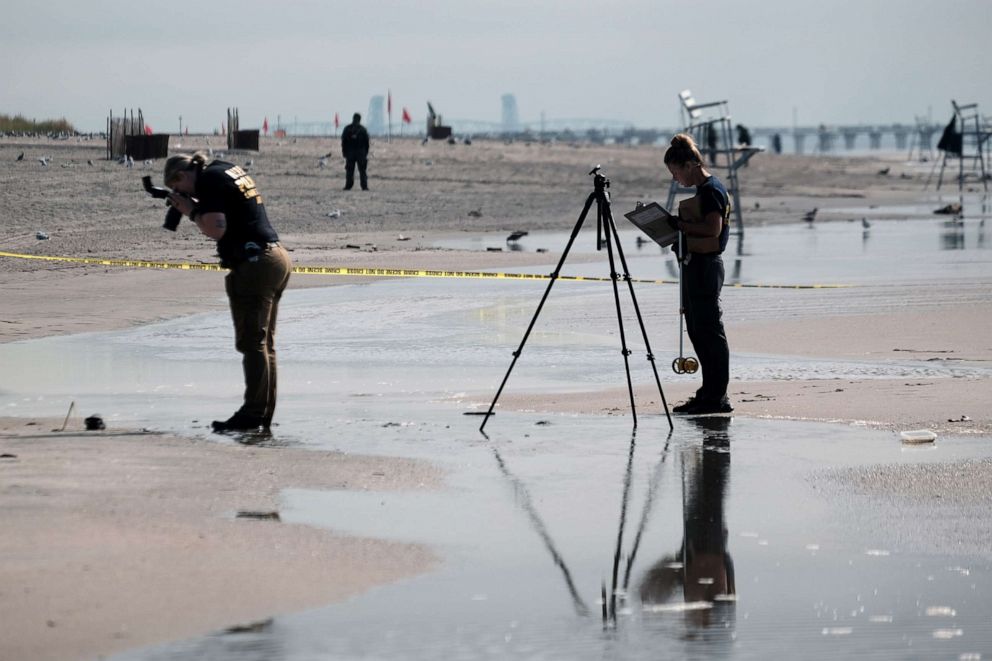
(683, 364)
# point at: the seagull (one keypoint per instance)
(810, 216)
(884, 171)
(516, 235)
(148, 163)
(865, 223)
(89, 162)
(250, 163)
(322, 163)
(130, 163)
(334, 214)
(477, 213)
(20, 156)
(44, 161)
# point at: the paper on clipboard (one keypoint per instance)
(652, 219)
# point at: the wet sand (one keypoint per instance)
(118, 539)
(125, 532)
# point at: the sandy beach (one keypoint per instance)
(90, 519)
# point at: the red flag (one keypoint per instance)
(406, 116)
(265, 126)
(337, 121)
(148, 129)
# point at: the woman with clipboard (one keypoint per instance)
(703, 221)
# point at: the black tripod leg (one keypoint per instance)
(637, 309)
(604, 215)
(554, 277)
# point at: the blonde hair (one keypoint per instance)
(183, 162)
(683, 150)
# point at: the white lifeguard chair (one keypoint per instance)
(710, 126)
(973, 131)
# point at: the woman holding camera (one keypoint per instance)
(223, 202)
(703, 221)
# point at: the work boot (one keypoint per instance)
(685, 406)
(237, 422)
(705, 408)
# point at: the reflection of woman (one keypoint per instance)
(226, 206)
(703, 221)
(703, 566)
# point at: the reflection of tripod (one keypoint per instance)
(605, 226)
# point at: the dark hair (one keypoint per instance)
(181, 163)
(683, 150)
(357, 117)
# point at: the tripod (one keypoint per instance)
(605, 226)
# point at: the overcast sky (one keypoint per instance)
(830, 61)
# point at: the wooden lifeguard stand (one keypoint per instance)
(970, 142)
(710, 126)
(436, 129)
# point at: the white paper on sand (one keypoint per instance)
(652, 219)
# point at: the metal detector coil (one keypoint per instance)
(683, 364)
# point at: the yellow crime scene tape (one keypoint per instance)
(354, 271)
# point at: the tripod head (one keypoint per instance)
(600, 182)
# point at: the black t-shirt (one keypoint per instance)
(713, 196)
(226, 188)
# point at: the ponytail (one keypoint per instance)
(683, 150)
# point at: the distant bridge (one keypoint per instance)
(818, 139)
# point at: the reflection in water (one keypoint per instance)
(527, 504)
(703, 567)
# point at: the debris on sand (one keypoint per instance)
(952, 209)
(251, 627)
(258, 516)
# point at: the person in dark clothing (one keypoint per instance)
(223, 202)
(355, 149)
(743, 136)
(703, 221)
(777, 143)
(711, 140)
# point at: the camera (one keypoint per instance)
(172, 216)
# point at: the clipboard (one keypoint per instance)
(652, 219)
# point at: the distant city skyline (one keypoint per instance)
(776, 61)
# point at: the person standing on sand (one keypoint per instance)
(703, 221)
(355, 149)
(223, 202)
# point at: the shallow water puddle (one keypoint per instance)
(729, 537)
